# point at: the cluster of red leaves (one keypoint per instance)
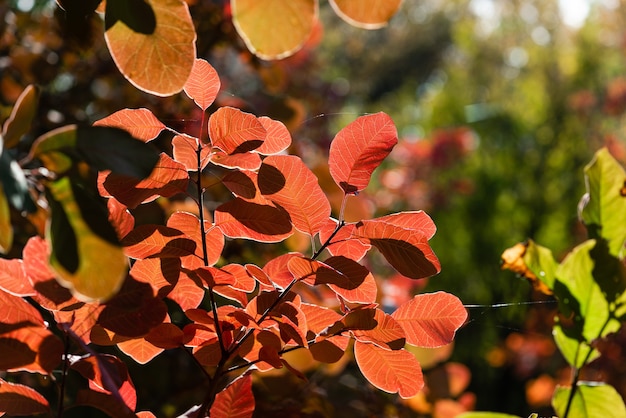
(273, 194)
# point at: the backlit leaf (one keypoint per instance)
(208, 353)
(243, 161)
(431, 320)
(139, 350)
(13, 278)
(140, 123)
(161, 241)
(80, 321)
(243, 281)
(189, 225)
(274, 29)
(203, 84)
(167, 179)
(329, 350)
(109, 404)
(387, 334)
(406, 250)
(236, 401)
(390, 371)
(160, 273)
(277, 269)
(319, 318)
(165, 336)
(277, 139)
(343, 243)
(6, 228)
(414, 220)
(120, 217)
(17, 310)
(359, 148)
(185, 149)
(187, 293)
(31, 349)
(591, 399)
(240, 219)
(22, 116)
(16, 399)
(367, 14)
(158, 63)
(234, 131)
(288, 182)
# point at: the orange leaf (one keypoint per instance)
(189, 224)
(165, 336)
(167, 179)
(319, 318)
(243, 281)
(187, 293)
(413, 220)
(289, 183)
(329, 350)
(147, 241)
(359, 148)
(140, 123)
(242, 161)
(431, 320)
(277, 269)
(203, 84)
(387, 334)
(367, 14)
(390, 371)
(406, 250)
(16, 310)
(160, 273)
(141, 57)
(30, 349)
(278, 137)
(197, 334)
(120, 217)
(139, 350)
(236, 401)
(208, 353)
(277, 29)
(260, 276)
(105, 402)
(185, 148)
(13, 279)
(343, 242)
(16, 399)
(80, 321)
(240, 219)
(366, 292)
(244, 184)
(234, 131)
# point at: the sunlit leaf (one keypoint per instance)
(165, 336)
(367, 14)
(417, 220)
(274, 29)
(13, 278)
(236, 401)
(16, 399)
(406, 250)
(161, 241)
(532, 261)
(240, 219)
(140, 123)
(277, 139)
(120, 217)
(319, 318)
(80, 321)
(577, 353)
(390, 371)
(288, 182)
(591, 399)
(203, 84)
(277, 269)
(208, 353)
(17, 310)
(243, 281)
(359, 148)
(31, 349)
(160, 62)
(343, 243)
(139, 350)
(431, 319)
(189, 225)
(234, 131)
(329, 350)
(185, 149)
(187, 293)
(6, 228)
(21, 118)
(242, 161)
(387, 334)
(168, 178)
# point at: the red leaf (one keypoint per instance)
(13, 278)
(260, 276)
(203, 84)
(80, 320)
(359, 148)
(319, 318)
(187, 293)
(185, 150)
(240, 219)
(196, 334)
(365, 292)
(236, 401)
(242, 161)
(343, 242)
(387, 334)
(232, 294)
(165, 336)
(104, 402)
(289, 183)
(413, 220)
(189, 225)
(243, 281)
(167, 179)
(360, 319)
(30, 349)
(211, 276)
(208, 353)
(139, 350)
(278, 138)
(406, 250)
(50, 294)
(277, 269)
(147, 241)
(140, 123)
(390, 371)
(16, 310)
(160, 273)
(234, 131)
(120, 217)
(244, 184)
(329, 350)
(431, 320)
(16, 399)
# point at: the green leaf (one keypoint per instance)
(21, 117)
(577, 353)
(603, 207)
(541, 262)
(591, 399)
(82, 252)
(6, 230)
(14, 184)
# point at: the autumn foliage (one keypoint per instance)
(73, 291)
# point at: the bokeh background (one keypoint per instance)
(499, 105)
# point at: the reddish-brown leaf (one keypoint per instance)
(289, 183)
(367, 14)
(80, 320)
(266, 341)
(16, 310)
(189, 225)
(19, 400)
(329, 350)
(212, 276)
(149, 240)
(260, 276)
(30, 349)
(360, 319)
(167, 179)
(359, 148)
(390, 371)
(278, 137)
(406, 250)
(208, 353)
(50, 294)
(236, 401)
(234, 131)
(13, 278)
(111, 405)
(431, 320)
(244, 184)
(387, 334)
(232, 294)
(140, 123)
(139, 350)
(242, 161)
(120, 217)
(197, 334)
(366, 292)
(343, 242)
(203, 84)
(185, 148)
(240, 219)
(165, 336)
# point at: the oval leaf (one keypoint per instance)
(203, 84)
(236, 401)
(367, 14)
(21, 117)
(234, 131)
(278, 137)
(240, 219)
(16, 399)
(140, 123)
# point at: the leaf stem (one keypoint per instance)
(327, 243)
(66, 361)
